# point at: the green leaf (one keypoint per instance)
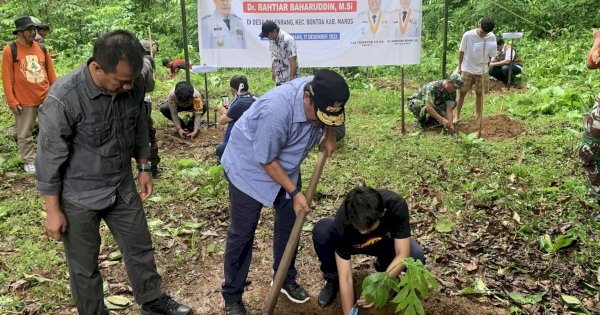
(117, 302)
(162, 232)
(479, 288)
(186, 163)
(193, 225)
(570, 300)
(563, 241)
(154, 223)
(444, 225)
(546, 243)
(308, 227)
(156, 199)
(530, 299)
(116, 255)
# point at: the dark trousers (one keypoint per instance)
(325, 236)
(127, 223)
(244, 215)
(166, 111)
(220, 149)
(154, 158)
(501, 73)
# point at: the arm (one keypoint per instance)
(50, 68)
(461, 56)
(56, 222)
(198, 113)
(508, 56)
(499, 63)
(278, 174)
(402, 249)
(293, 67)
(224, 119)
(145, 181)
(51, 159)
(293, 59)
(142, 152)
(328, 142)
(593, 60)
(8, 81)
(429, 108)
(175, 117)
(344, 268)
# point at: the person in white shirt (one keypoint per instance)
(500, 67)
(476, 48)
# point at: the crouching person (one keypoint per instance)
(371, 222)
(432, 105)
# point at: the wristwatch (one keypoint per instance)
(144, 167)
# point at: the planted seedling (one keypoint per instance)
(411, 289)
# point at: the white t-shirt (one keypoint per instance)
(475, 60)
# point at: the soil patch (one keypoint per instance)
(497, 127)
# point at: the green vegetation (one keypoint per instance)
(513, 209)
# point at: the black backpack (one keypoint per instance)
(13, 50)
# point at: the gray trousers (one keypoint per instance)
(25, 123)
(127, 223)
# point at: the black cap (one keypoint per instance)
(22, 24)
(329, 93)
(267, 27)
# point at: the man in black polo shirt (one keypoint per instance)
(371, 222)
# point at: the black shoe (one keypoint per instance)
(165, 305)
(295, 292)
(378, 266)
(236, 308)
(329, 292)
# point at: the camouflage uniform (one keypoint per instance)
(589, 150)
(435, 93)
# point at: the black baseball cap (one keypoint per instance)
(267, 27)
(330, 93)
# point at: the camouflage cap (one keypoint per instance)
(456, 79)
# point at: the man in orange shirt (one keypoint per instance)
(26, 80)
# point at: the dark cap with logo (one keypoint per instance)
(22, 24)
(329, 94)
(267, 27)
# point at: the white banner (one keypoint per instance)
(328, 33)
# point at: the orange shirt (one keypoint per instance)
(27, 82)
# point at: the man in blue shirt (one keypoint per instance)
(231, 112)
(262, 164)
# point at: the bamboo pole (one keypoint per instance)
(402, 97)
(483, 58)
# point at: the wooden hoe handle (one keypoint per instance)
(292, 243)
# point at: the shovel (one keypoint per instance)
(292, 243)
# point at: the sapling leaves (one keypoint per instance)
(411, 288)
(376, 288)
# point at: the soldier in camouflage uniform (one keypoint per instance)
(432, 105)
(589, 150)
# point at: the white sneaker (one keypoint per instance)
(29, 168)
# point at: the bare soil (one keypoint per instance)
(497, 127)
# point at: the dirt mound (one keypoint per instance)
(497, 127)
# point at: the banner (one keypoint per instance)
(328, 33)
